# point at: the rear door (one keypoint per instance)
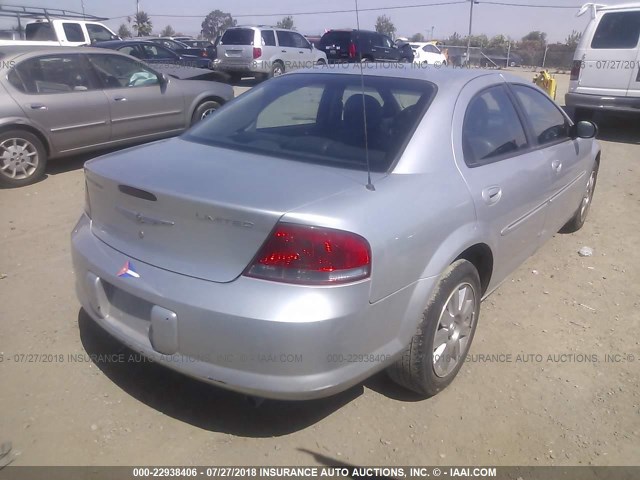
(60, 94)
(609, 61)
(507, 179)
(568, 160)
(139, 105)
(288, 51)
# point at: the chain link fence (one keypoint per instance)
(554, 57)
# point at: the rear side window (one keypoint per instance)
(285, 39)
(73, 32)
(237, 36)
(54, 74)
(39, 31)
(617, 30)
(492, 128)
(548, 124)
(268, 38)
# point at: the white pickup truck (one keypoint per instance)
(67, 33)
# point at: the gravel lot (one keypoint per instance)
(546, 397)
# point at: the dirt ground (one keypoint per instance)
(553, 376)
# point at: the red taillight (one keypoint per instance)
(312, 256)
(257, 52)
(352, 50)
(575, 70)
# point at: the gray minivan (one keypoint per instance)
(264, 52)
(606, 66)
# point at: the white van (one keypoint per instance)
(606, 73)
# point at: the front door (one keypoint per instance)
(140, 104)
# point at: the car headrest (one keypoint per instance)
(353, 112)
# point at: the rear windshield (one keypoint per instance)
(238, 36)
(617, 30)
(319, 118)
(335, 38)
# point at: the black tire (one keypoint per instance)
(321, 62)
(203, 109)
(277, 69)
(415, 369)
(580, 216)
(34, 152)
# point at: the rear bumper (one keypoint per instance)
(255, 66)
(256, 337)
(605, 103)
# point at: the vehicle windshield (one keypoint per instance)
(319, 118)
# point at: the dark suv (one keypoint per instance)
(362, 45)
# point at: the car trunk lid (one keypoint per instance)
(207, 217)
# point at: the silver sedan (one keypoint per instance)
(325, 226)
(56, 102)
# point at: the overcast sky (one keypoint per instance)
(489, 19)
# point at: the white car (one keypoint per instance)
(606, 64)
(427, 54)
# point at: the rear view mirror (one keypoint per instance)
(584, 129)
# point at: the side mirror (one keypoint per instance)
(584, 129)
(163, 80)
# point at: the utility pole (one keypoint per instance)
(137, 7)
(544, 59)
(82, 4)
(432, 28)
(508, 53)
(470, 29)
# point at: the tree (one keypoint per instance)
(142, 24)
(535, 36)
(215, 23)
(417, 37)
(573, 39)
(455, 40)
(168, 31)
(286, 23)
(385, 26)
(123, 31)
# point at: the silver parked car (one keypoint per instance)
(56, 102)
(264, 52)
(269, 264)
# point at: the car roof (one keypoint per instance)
(15, 51)
(621, 6)
(444, 77)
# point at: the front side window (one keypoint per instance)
(116, 71)
(548, 124)
(299, 41)
(73, 32)
(97, 33)
(617, 30)
(54, 74)
(324, 119)
(492, 128)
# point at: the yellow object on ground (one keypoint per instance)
(548, 83)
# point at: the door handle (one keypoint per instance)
(283, 51)
(556, 165)
(120, 99)
(38, 106)
(491, 195)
